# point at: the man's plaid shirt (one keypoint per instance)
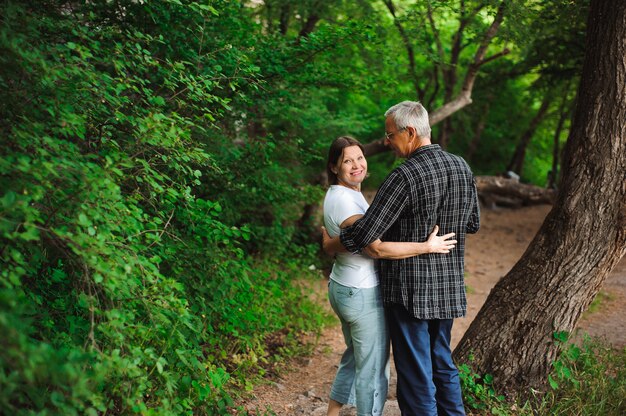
(432, 187)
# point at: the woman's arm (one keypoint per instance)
(332, 245)
(391, 249)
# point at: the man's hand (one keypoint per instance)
(440, 244)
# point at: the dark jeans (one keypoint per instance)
(428, 381)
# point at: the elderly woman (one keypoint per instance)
(363, 375)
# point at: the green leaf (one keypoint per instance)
(83, 220)
(8, 199)
(31, 233)
(553, 383)
(561, 336)
(488, 379)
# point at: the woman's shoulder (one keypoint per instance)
(339, 191)
(341, 200)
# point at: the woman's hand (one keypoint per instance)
(331, 245)
(326, 242)
(440, 244)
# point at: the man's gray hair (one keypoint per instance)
(410, 114)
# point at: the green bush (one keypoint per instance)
(124, 287)
(588, 378)
(479, 395)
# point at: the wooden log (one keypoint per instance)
(496, 190)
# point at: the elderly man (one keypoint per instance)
(422, 294)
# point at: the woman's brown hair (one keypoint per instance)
(335, 153)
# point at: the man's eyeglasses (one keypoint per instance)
(388, 136)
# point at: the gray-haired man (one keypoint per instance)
(422, 294)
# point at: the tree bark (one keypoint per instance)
(475, 142)
(448, 70)
(309, 26)
(582, 238)
(285, 14)
(465, 96)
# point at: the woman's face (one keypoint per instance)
(351, 168)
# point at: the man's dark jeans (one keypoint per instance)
(428, 381)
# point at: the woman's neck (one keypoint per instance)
(353, 187)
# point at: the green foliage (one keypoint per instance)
(125, 286)
(588, 378)
(157, 163)
(479, 394)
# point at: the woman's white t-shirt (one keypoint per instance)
(352, 270)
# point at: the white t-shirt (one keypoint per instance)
(352, 270)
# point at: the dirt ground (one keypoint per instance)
(490, 254)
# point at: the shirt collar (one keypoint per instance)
(426, 148)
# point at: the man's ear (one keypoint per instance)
(412, 133)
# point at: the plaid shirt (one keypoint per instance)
(432, 187)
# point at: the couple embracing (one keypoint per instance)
(416, 288)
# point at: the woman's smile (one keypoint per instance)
(351, 169)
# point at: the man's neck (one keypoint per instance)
(420, 143)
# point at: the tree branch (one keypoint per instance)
(465, 96)
(504, 52)
(419, 92)
(308, 26)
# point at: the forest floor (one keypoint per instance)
(490, 254)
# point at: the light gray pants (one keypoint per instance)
(363, 375)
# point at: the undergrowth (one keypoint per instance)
(588, 378)
(140, 271)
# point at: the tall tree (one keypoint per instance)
(444, 71)
(517, 160)
(564, 110)
(583, 236)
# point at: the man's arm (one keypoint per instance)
(473, 223)
(387, 206)
(394, 250)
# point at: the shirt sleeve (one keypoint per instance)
(387, 206)
(343, 208)
(346, 208)
(473, 223)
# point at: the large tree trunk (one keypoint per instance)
(583, 236)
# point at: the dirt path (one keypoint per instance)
(490, 254)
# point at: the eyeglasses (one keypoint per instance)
(388, 136)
